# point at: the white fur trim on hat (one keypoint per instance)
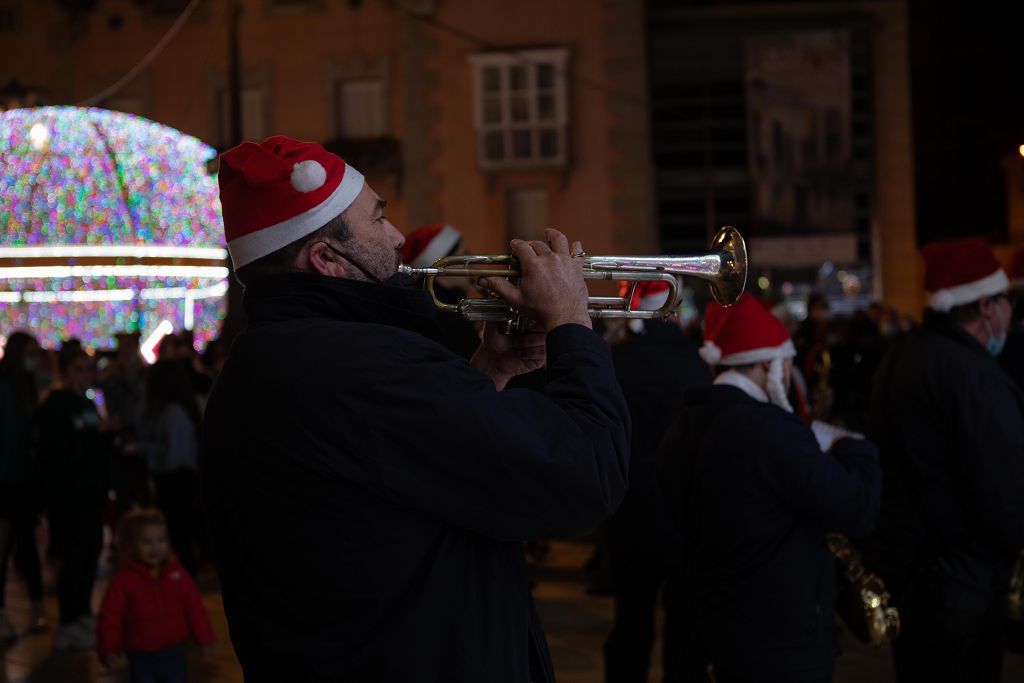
(255, 245)
(308, 175)
(710, 353)
(653, 302)
(765, 353)
(944, 300)
(443, 242)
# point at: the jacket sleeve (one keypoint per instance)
(195, 613)
(512, 465)
(840, 489)
(989, 432)
(110, 625)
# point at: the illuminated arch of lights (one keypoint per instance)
(111, 223)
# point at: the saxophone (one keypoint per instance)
(880, 622)
(870, 617)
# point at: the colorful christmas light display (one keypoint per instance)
(110, 223)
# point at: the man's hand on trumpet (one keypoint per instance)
(551, 288)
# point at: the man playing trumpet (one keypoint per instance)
(368, 491)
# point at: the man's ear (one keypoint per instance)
(320, 259)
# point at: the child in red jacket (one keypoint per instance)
(151, 606)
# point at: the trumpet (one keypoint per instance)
(724, 266)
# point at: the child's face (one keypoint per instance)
(152, 547)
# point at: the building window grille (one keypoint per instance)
(521, 108)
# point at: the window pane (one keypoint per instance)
(549, 147)
(522, 147)
(492, 110)
(517, 77)
(546, 107)
(545, 75)
(494, 146)
(491, 79)
(520, 109)
(361, 109)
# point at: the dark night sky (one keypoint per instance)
(967, 76)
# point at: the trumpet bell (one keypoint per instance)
(732, 280)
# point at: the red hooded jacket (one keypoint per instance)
(143, 613)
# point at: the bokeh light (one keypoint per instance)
(111, 223)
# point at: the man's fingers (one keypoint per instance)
(522, 250)
(540, 248)
(559, 242)
(577, 249)
(503, 288)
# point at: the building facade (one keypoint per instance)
(636, 126)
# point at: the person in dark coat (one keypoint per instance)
(753, 495)
(74, 446)
(948, 422)
(369, 491)
(21, 497)
(654, 365)
(425, 245)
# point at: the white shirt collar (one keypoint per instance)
(743, 383)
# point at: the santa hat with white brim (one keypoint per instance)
(961, 272)
(428, 243)
(277, 192)
(649, 295)
(744, 333)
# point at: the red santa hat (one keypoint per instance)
(426, 244)
(960, 272)
(279, 191)
(648, 296)
(743, 333)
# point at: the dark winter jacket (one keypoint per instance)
(146, 612)
(73, 453)
(948, 423)
(369, 492)
(753, 497)
(16, 463)
(654, 369)
(1012, 357)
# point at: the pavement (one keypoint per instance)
(576, 623)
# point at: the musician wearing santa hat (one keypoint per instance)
(369, 491)
(752, 494)
(948, 423)
(655, 364)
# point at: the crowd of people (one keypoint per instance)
(420, 452)
(88, 439)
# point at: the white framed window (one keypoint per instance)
(254, 115)
(520, 108)
(361, 109)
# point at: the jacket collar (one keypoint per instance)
(292, 296)
(743, 383)
(941, 323)
(144, 570)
